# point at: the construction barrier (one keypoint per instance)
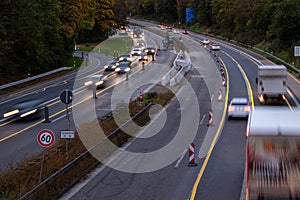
(210, 118)
(192, 155)
(220, 95)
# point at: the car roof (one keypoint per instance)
(123, 63)
(239, 100)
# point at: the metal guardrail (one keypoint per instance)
(33, 77)
(279, 59)
(74, 162)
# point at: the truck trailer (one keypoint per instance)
(272, 83)
(273, 154)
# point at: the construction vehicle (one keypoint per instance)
(272, 83)
(273, 153)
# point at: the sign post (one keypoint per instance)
(45, 138)
(66, 97)
(297, 54)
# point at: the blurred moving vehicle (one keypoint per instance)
(273, 153)
(150, 50)
(137, 32)
(215, 47)
(238, 108)
(141, 43)
(97, 81)
(272, 84)
(136, 51)
(125, 57)
(29, 109)
(111, 65)
(123, 67)
(143, 57)
(206, 41)
(176, 31)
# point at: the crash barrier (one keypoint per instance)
(33, 77)
(183, 65)
(166, 78)
(101, 146)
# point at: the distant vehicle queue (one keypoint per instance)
(123, 63)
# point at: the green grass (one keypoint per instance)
(118, 45)
(74, 60)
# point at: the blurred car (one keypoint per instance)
(123, 67)
(143, 57)
(206, 41)
(239, 107)
(185, 32)
(169, 29)
(125, 57)
(176, 31)
(96, 80)
(141, 43)
(111, 65)
(29, 109)
(215, 47)
(150, 50)
(136, 51)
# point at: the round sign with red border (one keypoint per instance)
(46, 138)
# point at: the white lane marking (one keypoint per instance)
(180, 159)
(203, 117)
(212, 97)
(59, 118)
(293, 97)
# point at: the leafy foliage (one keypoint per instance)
(39, 35)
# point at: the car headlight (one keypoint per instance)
(88, 83)
(10, 113)
(99, 83)
(127, 69)
(105, 67)
(28, 113)
(117, 69)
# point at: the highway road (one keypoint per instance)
(219, 173)
(219, 149)
(18, 137)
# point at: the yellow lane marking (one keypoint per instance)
(250, 95)
(214, 139)
(59, 112)
(249, 89)
(20, 131)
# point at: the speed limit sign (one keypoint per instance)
(45, 138)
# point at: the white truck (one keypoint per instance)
(272, 83)
(273, 153)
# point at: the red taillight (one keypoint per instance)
(231, 108)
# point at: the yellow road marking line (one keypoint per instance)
(59, 112)
(194, 190)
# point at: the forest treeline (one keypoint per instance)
(272, 24)
(39, 35)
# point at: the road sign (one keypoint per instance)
(297, 51)
(46, 138)
(66, 96)
(67, 134)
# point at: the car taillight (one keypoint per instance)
(247, 108)
(231, 108)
